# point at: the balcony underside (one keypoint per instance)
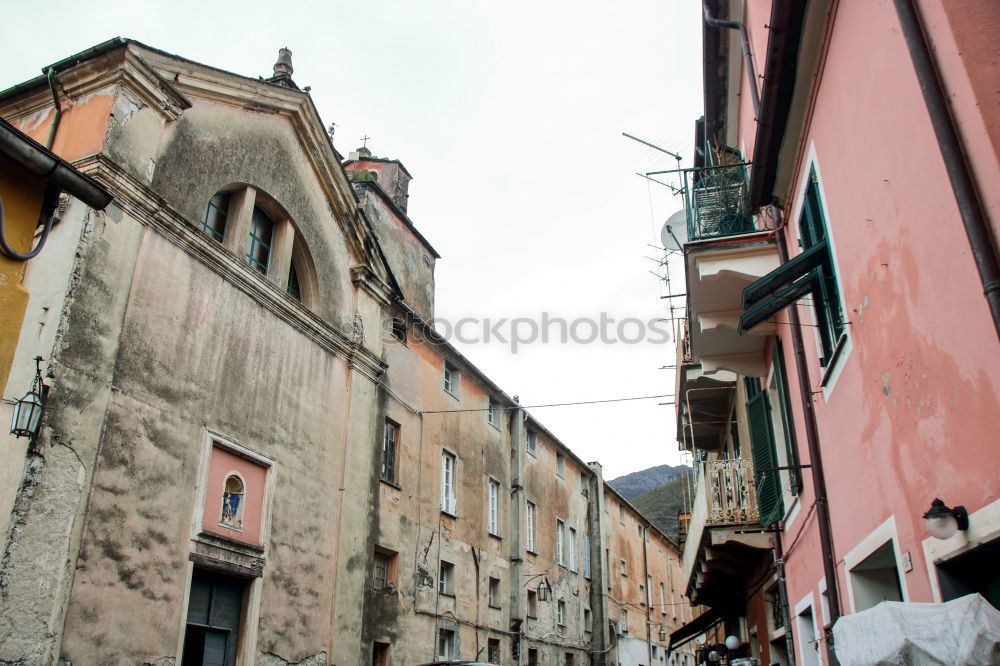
(728, 562)
(718, 272)
(706, 407)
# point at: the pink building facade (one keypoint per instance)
(839, 252)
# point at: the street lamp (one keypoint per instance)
(943, 522)
(28, 410)
(543, 591)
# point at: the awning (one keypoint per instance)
(695, 627)
(963, 631)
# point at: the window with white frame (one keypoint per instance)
(493, 413)
(448, 504)
(531, 443)
(663, 601)
(561, 612)
(494, 507)
(571, 556)
(530, 528)
(586, 556)
(446, 578)
(446, 644)
(493, 595)
(560, 542)
(649, 591)
(451, 379)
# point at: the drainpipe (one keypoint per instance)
(747, 56)
(963, 183)
(649, 596)
(816, 462)
(786, 617)
(51, 76)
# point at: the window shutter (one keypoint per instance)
(769, 499)
(787, 424)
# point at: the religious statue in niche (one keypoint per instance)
(232, 503)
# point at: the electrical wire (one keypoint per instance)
(551, 404)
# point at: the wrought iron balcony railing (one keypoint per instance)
(732, 494)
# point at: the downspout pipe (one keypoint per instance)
(51, 76)
(747, 56)
(816, 462)
(963, 183)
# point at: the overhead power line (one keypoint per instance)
(553, 404)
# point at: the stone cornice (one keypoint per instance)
(150, 209)
(121, 67)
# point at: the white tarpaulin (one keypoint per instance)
(965, 631)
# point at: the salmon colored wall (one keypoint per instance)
(82, 127)
(21, 192)
(223, 464)
(913, 412)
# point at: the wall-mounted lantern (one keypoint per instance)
(943, 522)
(733, 642)
(663, 634)
(28, 410)
(543, 590)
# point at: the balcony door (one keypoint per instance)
(215, 612)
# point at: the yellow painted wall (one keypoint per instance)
(21, 192)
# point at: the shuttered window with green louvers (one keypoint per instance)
(765, 460)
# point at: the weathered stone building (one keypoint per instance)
(255, 450)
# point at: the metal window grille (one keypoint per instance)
(381, 571)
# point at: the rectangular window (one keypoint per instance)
(663, 600)
(493, 597)
(588, 620)
(532, 604)
(494, 508)
(214, 223)
(531, 443)
(259, 250)
(493, 414)
(451, 379)
(572, 549)
(623, 568)
(446, 644)
(560, 464)
(390, 439)
(530, 528)
(624, 621)
(621, 514)
(448, 483)
(569, 659)
(649, 591)
(380, 577)
(380, 654)
(532, 656)
(493, 650)
(642, 594)
(561, 612)
(560, 542)
(446, 577)
(586, 556)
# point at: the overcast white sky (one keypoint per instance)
(509, 116)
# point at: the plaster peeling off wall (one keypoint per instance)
(270, 659)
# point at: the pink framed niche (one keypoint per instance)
(234, 496)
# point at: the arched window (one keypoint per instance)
(253, 225)
(232, 502)
(214, 223)
(259, 247)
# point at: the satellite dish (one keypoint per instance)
(674, 233)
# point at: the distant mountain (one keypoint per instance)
(661, 505)
(637, 483)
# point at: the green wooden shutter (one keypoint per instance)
(765, 457)
(788, 426)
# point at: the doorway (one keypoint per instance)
(973, 571)
(215, 613)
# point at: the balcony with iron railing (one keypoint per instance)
(728, 247)
(723, 507)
